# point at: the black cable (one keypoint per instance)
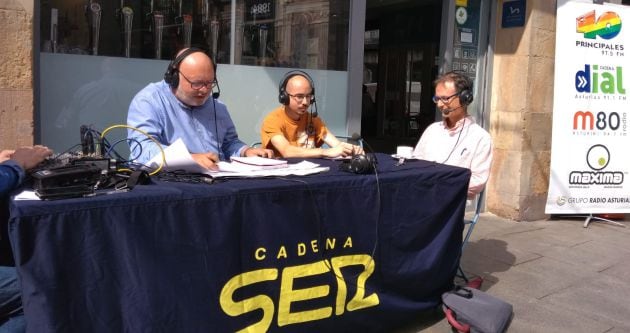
(110, 149)
(216, 128)
(139, 145)
(319, 223)
(456, 142)
(310, 129)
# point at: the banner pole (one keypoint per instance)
(590, 217)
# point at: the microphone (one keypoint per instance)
(216, 94)
(360, 164)
(372, 154)
(447, 111)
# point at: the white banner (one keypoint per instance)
(590, 152)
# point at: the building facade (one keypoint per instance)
(514, 89)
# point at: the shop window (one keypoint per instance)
(296, 33)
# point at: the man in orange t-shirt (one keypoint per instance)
(292, 131)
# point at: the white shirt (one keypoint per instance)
(466, 145)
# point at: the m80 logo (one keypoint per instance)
(600, 120)
(606, 26)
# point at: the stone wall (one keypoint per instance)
(16, 73)
(521, 114)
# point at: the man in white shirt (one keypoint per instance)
(456, 139)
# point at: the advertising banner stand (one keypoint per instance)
(590, 166)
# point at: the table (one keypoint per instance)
(321, 253)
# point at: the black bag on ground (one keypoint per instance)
(472, 310)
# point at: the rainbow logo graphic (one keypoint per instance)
(606, 26)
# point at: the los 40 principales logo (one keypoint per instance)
(606, 26)
(597, 159)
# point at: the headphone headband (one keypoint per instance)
(283, 96)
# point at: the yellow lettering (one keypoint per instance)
(301, 249)
(358, 301)
(260, 253)
(263, 302)
(282, 253)
(348, 242)
(314, 245)
(289, 295)
(330, 243)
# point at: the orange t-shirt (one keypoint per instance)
(278, 123)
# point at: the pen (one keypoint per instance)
(463, 150)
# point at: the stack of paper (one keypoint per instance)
(178, 158)
(299, 169)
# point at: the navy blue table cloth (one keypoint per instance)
(332, 252)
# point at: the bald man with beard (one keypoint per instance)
(292, 130)
(183, 106)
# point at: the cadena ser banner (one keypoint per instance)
(590, 153)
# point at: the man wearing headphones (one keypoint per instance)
(457, 140)
(184, 105)
(292, 131)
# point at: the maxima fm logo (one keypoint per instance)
(606, 26)
(597, 158)
(600, 79)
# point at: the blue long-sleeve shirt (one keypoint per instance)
(11, 176)
(156, 111)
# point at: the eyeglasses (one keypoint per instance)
(444, 99)
(200, 84)
(300, 97)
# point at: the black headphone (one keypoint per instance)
(171, 76)
(283, 96)
(464, 85)
(359, 164)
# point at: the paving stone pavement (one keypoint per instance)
(558, 275)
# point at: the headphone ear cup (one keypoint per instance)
(359, 164)
(283, 98)
(175, 79)
(171, 76)
(465, 97)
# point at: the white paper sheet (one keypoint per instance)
(177, 158)
(26, 195)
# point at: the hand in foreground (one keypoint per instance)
(357, 150)
(30, 157)
(268, 153)
(6, 155)
(206, 160)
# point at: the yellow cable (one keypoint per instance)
(163, 161)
